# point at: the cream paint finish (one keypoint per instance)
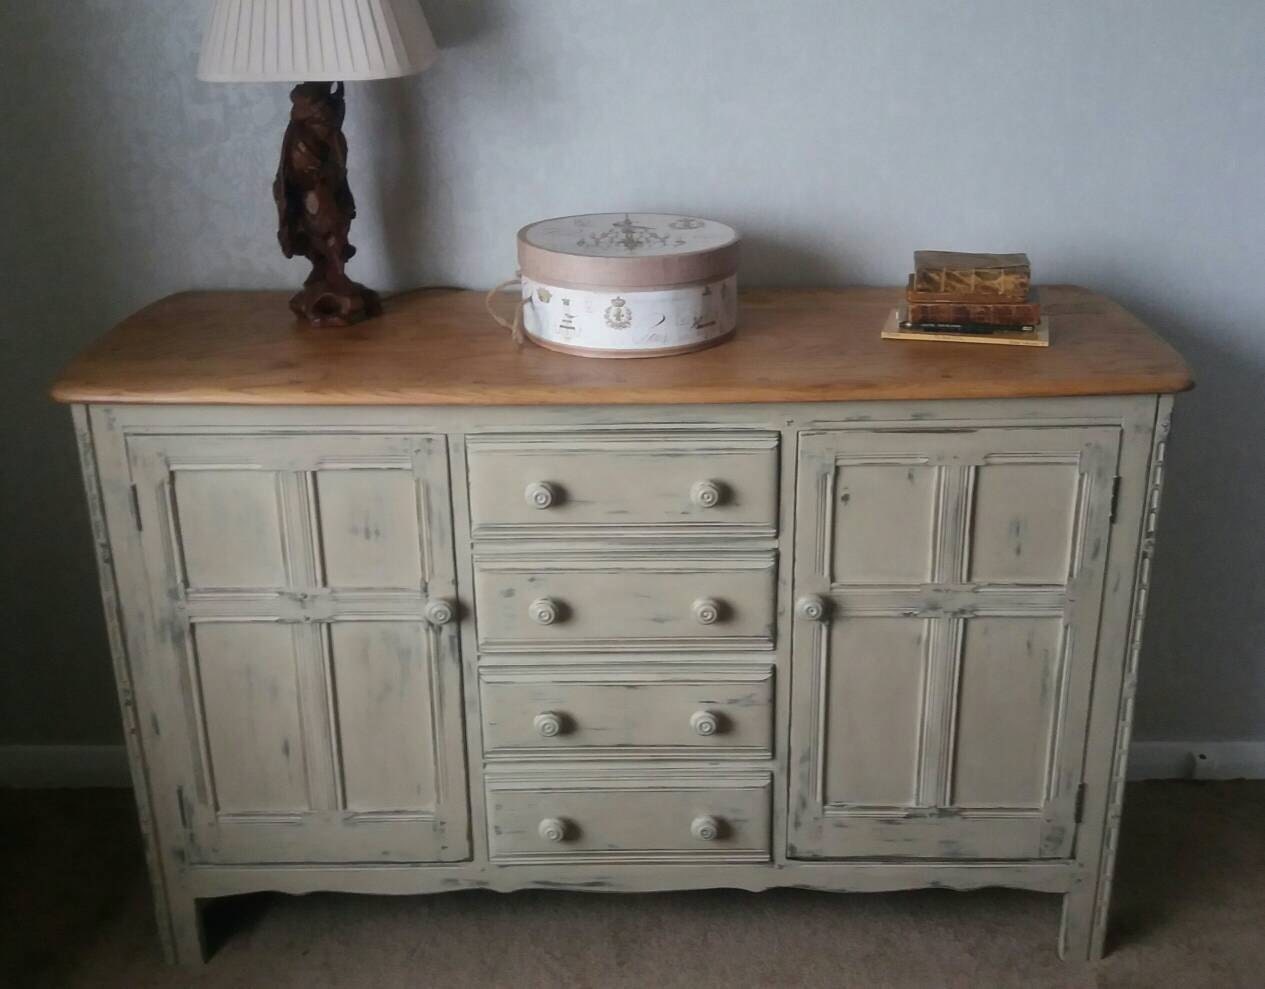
(343, 739)
(993, 610)
(301, 718)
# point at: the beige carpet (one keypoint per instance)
(1190, 912)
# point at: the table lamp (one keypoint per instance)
(318, 44)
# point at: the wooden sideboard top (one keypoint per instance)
(439, 347)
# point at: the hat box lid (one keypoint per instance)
(627, 250)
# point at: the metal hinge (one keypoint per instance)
(1115, 496)
(1080, 804)
(136, 508)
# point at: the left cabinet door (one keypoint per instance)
(298, 586)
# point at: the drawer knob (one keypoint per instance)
(541, 494)
(812, 607)
(706, 611)
(705, 494)
(544, 611)
(704, 723)
(548, 724)
(552, 829)
(440, 612)
(705, 828)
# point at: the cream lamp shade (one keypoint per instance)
(314, 40)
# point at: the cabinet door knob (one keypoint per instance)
(705, 828)
(544, 611)
(704, 723)
(440, 612)
(705, 494)
(706, 611)
(548, 724)
(812, 607)
(541, 494)
(552, 829)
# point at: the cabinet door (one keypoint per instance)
(948, 590)
(291, 578)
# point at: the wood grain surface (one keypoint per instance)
(439, 347)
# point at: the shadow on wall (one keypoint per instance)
(409, 218)
(84, 248)
(1201, 674)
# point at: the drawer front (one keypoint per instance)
(721, 482)
(626, 602)
(600, 712)
(667, 816)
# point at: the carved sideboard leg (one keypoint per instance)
(187, 946)
(1076, 940)
(1083, 933)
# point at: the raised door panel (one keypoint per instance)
(944, 690)
(872, 707)
(247, 677)
(230, 525)
(385, 679)
(1009, 675)
(290, 578)
(1022, 524)
(369, 533)
(883, 521)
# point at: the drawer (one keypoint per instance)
(596, 711)
(682, 815)
(629, 601)
(721, 482)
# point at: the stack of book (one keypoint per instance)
(981, 295)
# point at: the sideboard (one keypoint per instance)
(404, 608)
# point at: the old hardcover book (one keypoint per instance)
(989, 314)
(964, 298)
(1008, 275)
(981, 329)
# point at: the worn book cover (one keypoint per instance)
(1008, 275)
(988, 314)
(963, 298)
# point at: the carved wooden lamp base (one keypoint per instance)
(321, 304)
(315, 208)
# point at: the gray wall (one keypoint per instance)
(1122, 144)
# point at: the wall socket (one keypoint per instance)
(1202, 766)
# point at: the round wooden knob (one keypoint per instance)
(541, 494)
(706, 611)
(704, 723)
(552, 829)
(705, 828)
(544, 611)
(440, 612)
(548, 724)
(705, 494)
(812, 607)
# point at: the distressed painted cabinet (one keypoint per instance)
(406, 609)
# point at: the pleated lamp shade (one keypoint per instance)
(314, 40)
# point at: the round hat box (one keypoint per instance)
(628, 284)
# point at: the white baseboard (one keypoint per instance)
(1177, 760)
(72, 766)
(63, 766)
